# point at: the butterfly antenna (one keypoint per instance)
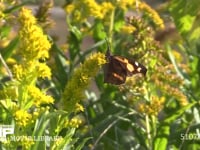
(108, 47)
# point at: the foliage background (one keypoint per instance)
(52, 89)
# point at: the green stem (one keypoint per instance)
(148, 131)
(110, 32)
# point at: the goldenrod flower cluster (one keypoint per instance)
(82, 10)
(34, 47)
(154, 107)
(26, 142)
(22, 117)
(33, 43)
(128, 29)
(106, 7)
(153, 14)
(158, 66)
(79, 108)
(75, 87)
(125, 3)
(38, 96)
(75, 122)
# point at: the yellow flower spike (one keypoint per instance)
(106, 7)
(18, 72)
(93, 8)
(38, 97)
(141, 108)
(125, 3)
(43, 71)
(69, 8)
(128, 29)
(153, 14)
(75, 87)
(81, 10)
(75, 122)
(33, 43)
(26, 142)
(79, 108)
(155, 106)
(26, 18)
(22, 118)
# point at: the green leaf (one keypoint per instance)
(7, 51)
(186, 17)
(185, 23)
(178, 113)
(80, 145)
(161, 140)
(99, 31)
(4, 31)
(39, 129)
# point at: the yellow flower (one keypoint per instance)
(75, 122)
(26, 142)
(69, 8)
(93, 8)
(75, 87)
(177, 56)
(128, 29)
(38, 97)
(79, 107)
(125, 3)
(154, 107)
(33, 43)
(81, 10)
(106, 7)
(22, 72)
(31, 70)
(173, 91)
(43, 71)
(153, 14)
(58, 142)
(22, 117)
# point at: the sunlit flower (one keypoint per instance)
(38, 97)
(69, 8)
(22, 117)
(153, 14)
(26, 142)
(128, 29)
(106, 7)
(74, 122)
(124, 4)
(154, 107)
(79, 107)
(81, 10)
(73, 92)
(31, 70)
(43, 71)
(33, 43)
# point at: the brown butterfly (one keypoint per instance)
(118, 68)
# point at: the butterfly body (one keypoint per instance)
(118, 68)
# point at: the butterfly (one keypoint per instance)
(118, 68)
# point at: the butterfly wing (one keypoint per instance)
(118, 68)
(131, 66)
(114, 72)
